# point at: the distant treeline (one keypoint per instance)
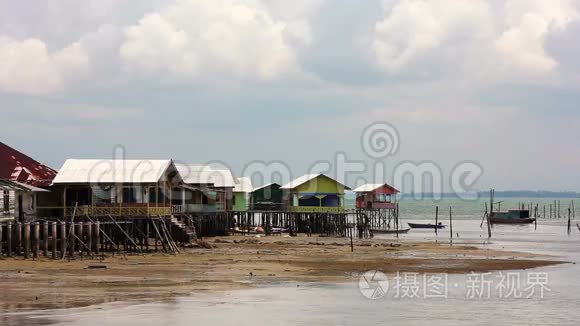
(505, 194)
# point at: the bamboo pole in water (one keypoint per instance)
(436, 218)
(450, 227)
(569, 223)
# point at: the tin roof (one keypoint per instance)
(9, 185)
(305, 178)
(243, 184)
(112, 171)
(372, 187)
(205, 174)
(17, 166)
(266, 185)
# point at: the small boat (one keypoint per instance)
(390, 231)
(426, 226)
(513, 216)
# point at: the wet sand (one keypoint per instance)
(236, 262)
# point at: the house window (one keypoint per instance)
(129, 195)
(154, 197)
(6, 201)
(102, 194)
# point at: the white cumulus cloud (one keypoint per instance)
(26, 66)
(521, 45)
(502, 38)
(190, 38)
(412, 28)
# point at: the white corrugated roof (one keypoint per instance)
(243, 184)
(223, 178)
(300, 180)
(266, 185)
(305, 178)
(371, 187)
(9, 185)
(111, 171)
(368, 187)
(194, 173)
(204, 174)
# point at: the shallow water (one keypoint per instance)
(343, 304)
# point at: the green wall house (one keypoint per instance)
(314, 193)
(266, 198)
(241, 194)
(205, 189)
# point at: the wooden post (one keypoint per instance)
(26, 240)
(97, 233)
(488, 226)
(81, 239)
(36, 240)
(569, 224)
(72, 240)
(54, 239)
(436, 218)
(18, 238)
(9, 239)
(147, 234)
(63, 238)
(45, 238)
(544, 211)
(450, 227)
(351, 243)
(89, 237)
(1, 229)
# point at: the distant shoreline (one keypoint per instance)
(498, 194)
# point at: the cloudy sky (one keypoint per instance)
(493, 82)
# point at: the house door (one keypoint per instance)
(20, 211)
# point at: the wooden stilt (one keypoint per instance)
(45, 227)
(26, 240)
(450, 227)
(1, 230)
(97, 235)
(54, 239)
(18, 238)
(36, 240)
(63, 237)
(9, 239)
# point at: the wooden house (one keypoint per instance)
(223, 183)
(376, 196)
(23, 182)
(266, 198)
(205, 189)
(19, 200)
(115, 187)
(314, 193)
(241, 194)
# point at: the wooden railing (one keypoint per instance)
(316, 209)
(116, 210)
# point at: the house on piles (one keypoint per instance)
(23, 183)
(241, 194)
(376, 196)
(127, 188)
(314, 193)
(267, 198)
(205, 189)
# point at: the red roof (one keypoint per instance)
(19, 167)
